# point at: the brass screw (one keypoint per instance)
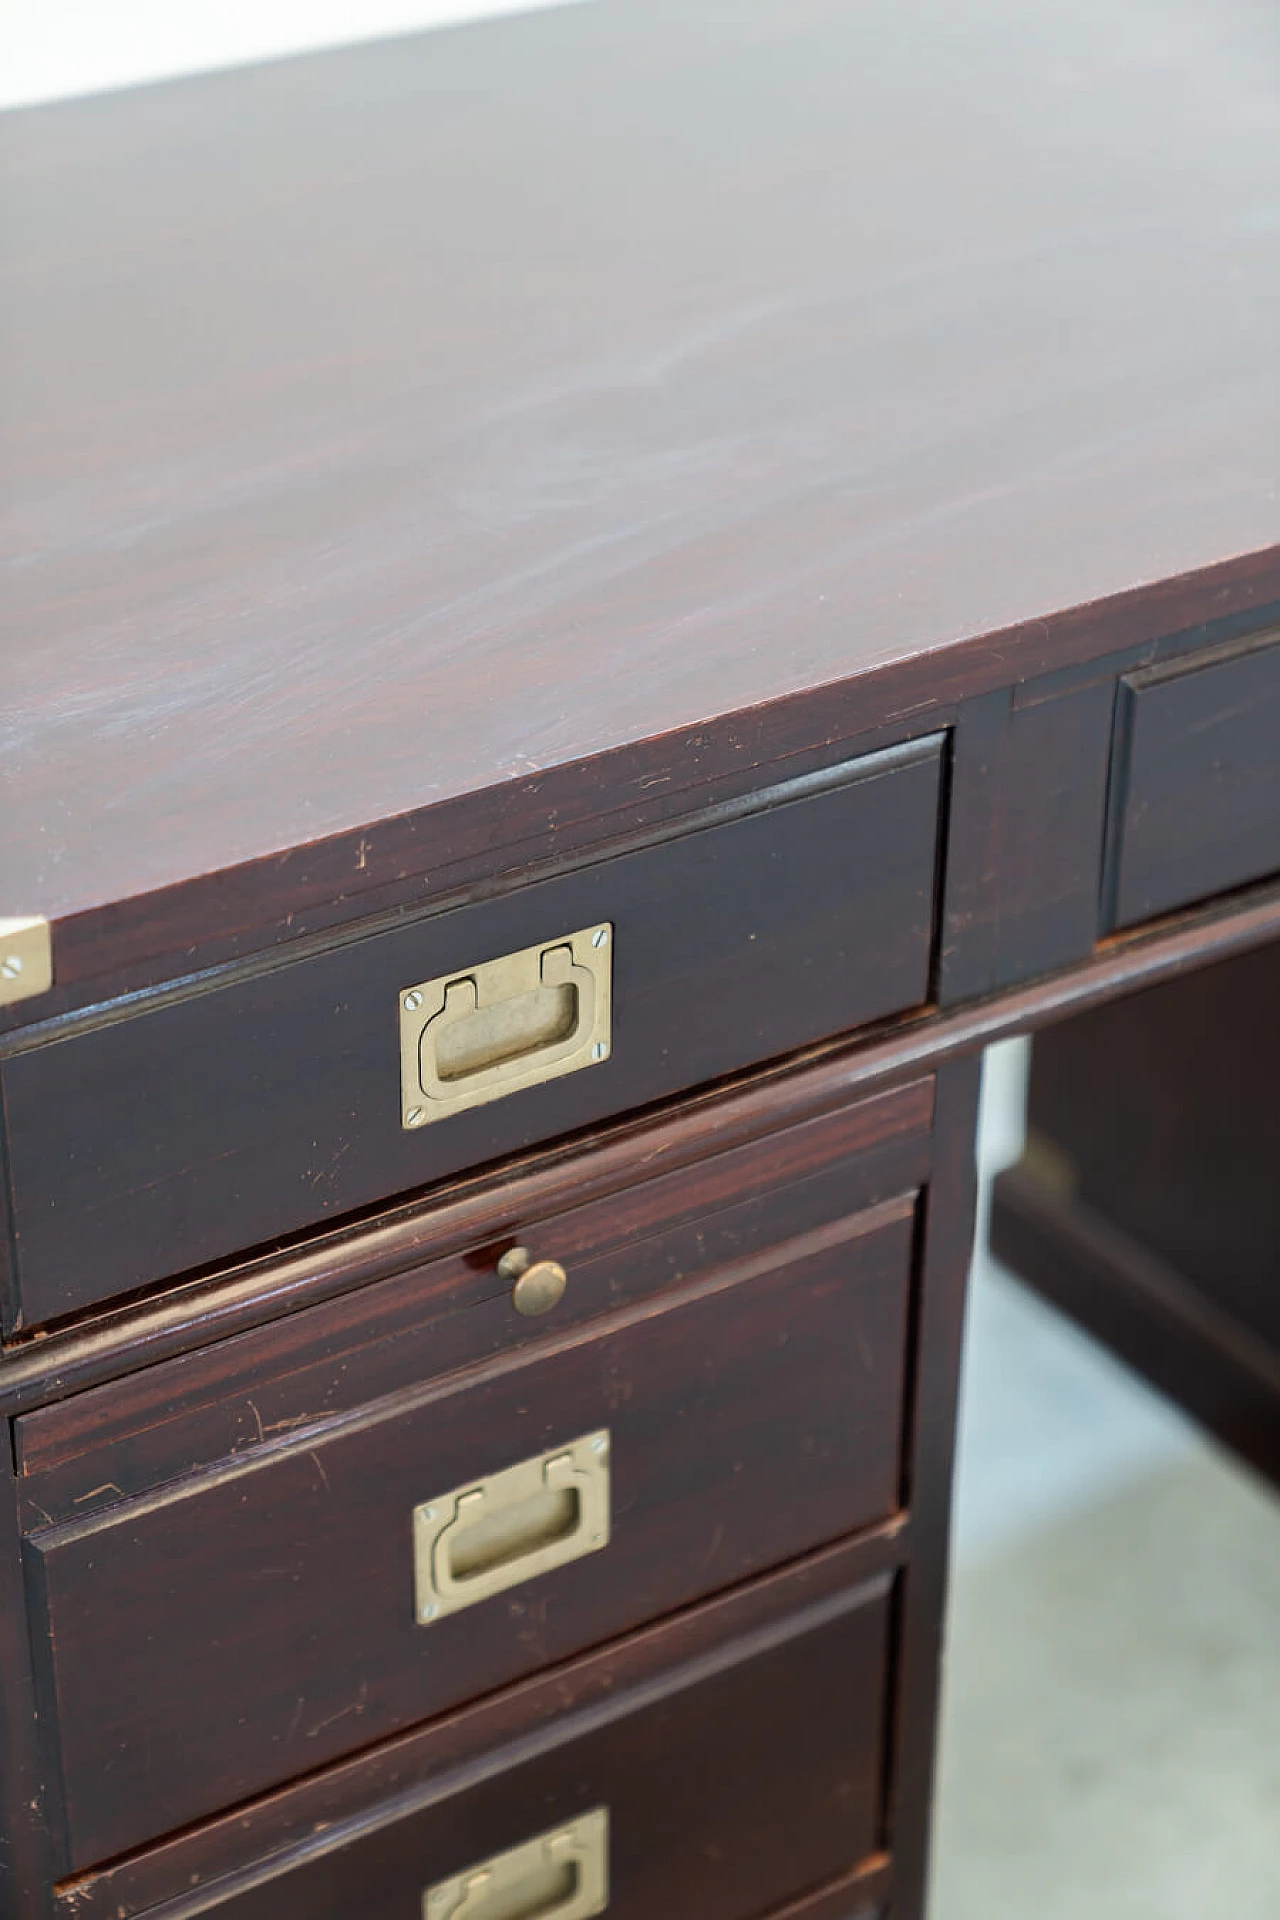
(11, 966)
(600, 937)
(415, 1117)
(412, 1001)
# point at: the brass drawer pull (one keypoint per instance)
(539, 1284)
(481, 1538)
(562, 1875)
(474, 1035)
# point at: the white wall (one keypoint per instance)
(50, 49)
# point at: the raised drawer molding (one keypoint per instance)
(288, 1589)
(736, 1752)
(579, 634)
(263, 1105)
(1195, 781)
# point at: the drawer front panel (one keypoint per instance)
(156, 1143)
(1196, 782)
(722, 1801)
(740, 1772)
(442, 1302)
(254, 1621)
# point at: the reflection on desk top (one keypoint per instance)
(387, 432)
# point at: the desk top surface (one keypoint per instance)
(384, 427)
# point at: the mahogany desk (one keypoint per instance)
(592, 605)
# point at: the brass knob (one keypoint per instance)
(539, 1284)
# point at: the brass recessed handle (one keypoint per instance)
(487, 1535)
(506, 1024)
(538, 1284)
(562, 1875)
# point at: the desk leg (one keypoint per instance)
(948, 1245)
(1147, 1204)
(25, 1868)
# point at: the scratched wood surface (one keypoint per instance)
(421, 1296)
(730, 1791)
(387, 432)
(783, 1784)
(270, 1605)
(274, 1103)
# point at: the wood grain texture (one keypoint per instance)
(937, 1334)
(262, 1105)
(1196, 783)
(256, 1292)
(726, 1796)
(395, 1779)
(1029, 787)
(433, 1317)
(270, 1606)
(481, 1215)
(26, 1857)
(389, 433)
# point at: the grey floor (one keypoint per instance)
(1111, 1715)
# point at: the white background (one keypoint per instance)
(50, 49)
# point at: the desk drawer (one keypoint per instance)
(260, 1603)
(715, 1768)
(145, 1143)
(1196, 781)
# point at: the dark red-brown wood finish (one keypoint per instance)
(422, 1295)
(428, 457)
(103, 1469)
(944, 1266)
(26, 1858)
(714, 1150)
(1196, 788)
(795, 482)
(739, 1786)
(261, 1105)
(270, 1603)
(1147, 1205)
(353, 1817)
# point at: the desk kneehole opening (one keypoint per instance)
(526, 1520)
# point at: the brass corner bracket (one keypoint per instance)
(26, 958)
